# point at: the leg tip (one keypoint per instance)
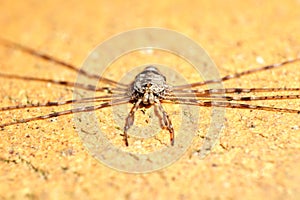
(126, 141)
(172, 142)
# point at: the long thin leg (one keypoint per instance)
(230, 98)
(57, 61)
(130, 119)
(60, 103)
(237, 75)
(229, 105)
(199, 92)
(64, 83)
(166, 121)
(68, 112)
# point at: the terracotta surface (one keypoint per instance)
(257, 155)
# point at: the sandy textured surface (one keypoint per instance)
(257, 155)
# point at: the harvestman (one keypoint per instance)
(151, 88)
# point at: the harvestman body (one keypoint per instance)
(150, 88)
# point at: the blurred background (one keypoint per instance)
(257, 155)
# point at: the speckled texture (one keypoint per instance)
(258, 152)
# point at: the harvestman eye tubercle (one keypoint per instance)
(150, 88)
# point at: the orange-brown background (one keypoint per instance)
(46, 160)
